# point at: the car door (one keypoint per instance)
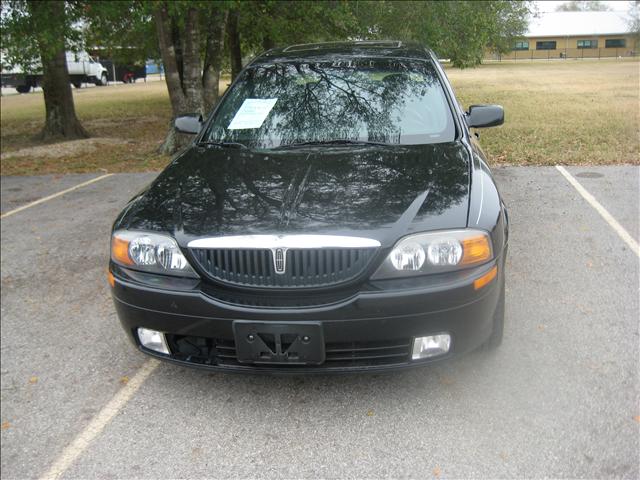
(73, 64)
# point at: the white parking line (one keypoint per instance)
(619, 229)
(71, 453)
(55, 195)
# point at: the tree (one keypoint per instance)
(122, 31)
(259, 25)
(36, 34)
(634, 21)
(458, 30)
(233, 41)
(192, 84)
(582, 6)
(190, 32)
(189, 38)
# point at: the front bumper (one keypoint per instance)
(370, 330)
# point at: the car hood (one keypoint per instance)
(370, 191)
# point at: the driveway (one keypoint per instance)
(559, 398)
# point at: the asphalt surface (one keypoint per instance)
(560, 398)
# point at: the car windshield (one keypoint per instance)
(286, 104)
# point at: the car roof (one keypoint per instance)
(353, 49)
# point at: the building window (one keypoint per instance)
(545, 45)
(615, 43)
(587, 44)
(521, 46)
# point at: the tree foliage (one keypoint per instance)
(268, 23)
(458, 30)
(197, 39)
(634, 20)
(28, 33)
(122, 31)
(35, 36)
(583, 6)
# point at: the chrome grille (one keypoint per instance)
(304, 267)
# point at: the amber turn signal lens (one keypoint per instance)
(486, 278)
(120, 251)
(475, 250)
(111, 279)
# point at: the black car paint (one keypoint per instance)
(365, 191)
(377, 311)
(210, 191)
(483, 116)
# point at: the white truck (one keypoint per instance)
(82, 69)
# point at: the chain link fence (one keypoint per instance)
(562, 53)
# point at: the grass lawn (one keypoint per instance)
(569, 112)
(558, 112)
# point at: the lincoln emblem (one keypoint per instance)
(279, 260)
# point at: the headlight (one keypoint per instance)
(436, 252)
(150, 252)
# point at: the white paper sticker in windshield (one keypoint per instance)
(252, 113)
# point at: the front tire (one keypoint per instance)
(23, 88)
(103, 80)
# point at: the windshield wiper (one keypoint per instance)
(339, 141)
(224, 144)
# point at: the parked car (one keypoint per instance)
(333, 213)
(124, 73)
(82, 69)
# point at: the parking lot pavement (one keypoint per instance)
(560, 398)
(615, 188)
(18, 191)
(63, 354)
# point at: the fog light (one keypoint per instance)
(427, 347)
(153, 340)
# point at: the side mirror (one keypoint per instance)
(482, 116)
(190, 124)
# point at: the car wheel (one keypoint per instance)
(77, 84)
(23, 88)
(103, 80)
(497, 331)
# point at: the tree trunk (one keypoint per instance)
(164, 30)
(168, 54)
(192, 67)
(233, 38)
(61, 120)
(213, 60)
(186, 79)
(267, 43)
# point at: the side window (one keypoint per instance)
(615, 43)
(546, 45)
(522, 45)
(587, 44)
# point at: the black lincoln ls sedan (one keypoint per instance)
(333, 213)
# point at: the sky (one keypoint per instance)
(550, 5)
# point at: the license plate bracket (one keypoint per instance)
(293, 343)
